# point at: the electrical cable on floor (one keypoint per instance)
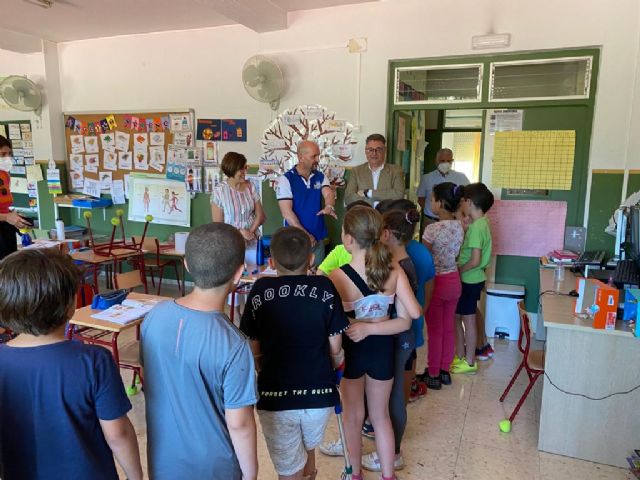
(597, 399)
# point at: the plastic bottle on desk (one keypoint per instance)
(260, 252)
(60, 230)
(25, 238)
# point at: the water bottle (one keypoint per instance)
(260, 252)
(60, 229)
(25, 238)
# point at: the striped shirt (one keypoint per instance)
(239, 207)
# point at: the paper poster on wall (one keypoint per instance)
(534, 159)
(234, 130)
(77, 143)
(92, 163)
(77, 179)
(180, 122)
(106, 179)
(91, 144)
(505, 120)
(76, 161)
(117, 192)
(19, 185)
(122, 141)
(208, 129)
(110, 161)
(53, 181)
(210, 153)
(516, 227)
(211, 178)
(91, 187)
(3, 131)
(34, 173)
(168, 201)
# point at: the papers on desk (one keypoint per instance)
(43, 244)
(128, 311)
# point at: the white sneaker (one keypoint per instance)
(332, 449)
(371, 462)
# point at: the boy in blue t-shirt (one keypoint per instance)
(64, 408)
(200, 384)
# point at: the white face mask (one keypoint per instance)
(6, 163)
(444, 167)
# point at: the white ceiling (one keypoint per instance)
(71, 20)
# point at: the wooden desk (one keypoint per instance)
(172, 252)
(592, 362)
(96, 261)
(93, 330)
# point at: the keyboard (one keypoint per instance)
(626, 273)
(595, 257)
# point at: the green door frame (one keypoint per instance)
(484, 103)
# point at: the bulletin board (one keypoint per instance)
(108, 146)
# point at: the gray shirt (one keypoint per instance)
(431, 179)
(196, 365)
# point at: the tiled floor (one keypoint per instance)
(453, 433)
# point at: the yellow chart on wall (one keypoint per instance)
(534, 159)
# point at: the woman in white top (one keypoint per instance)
(236, 202)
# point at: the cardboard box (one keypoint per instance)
(594, 292)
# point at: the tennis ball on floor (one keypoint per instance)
(505, 425)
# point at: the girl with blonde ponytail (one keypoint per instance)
(369, 286)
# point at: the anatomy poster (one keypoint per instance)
(168, 201)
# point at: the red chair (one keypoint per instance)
(532, 361)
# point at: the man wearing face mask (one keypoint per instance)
(442, 173)
(10, 221)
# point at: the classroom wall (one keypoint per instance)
(33, 66)
(201, 69)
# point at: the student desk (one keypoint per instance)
(96, 261)
(94, 331)
(170, 251)
(596, 363)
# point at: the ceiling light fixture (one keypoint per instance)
(492, 40)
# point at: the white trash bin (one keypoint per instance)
(501, 311)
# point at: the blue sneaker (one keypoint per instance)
(367, 430)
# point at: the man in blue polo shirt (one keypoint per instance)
(300, 192)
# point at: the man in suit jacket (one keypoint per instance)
(375, 180)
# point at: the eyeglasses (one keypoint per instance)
(374, 150)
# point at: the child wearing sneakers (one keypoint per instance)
(295, 322)
(444, 239)
(475, 255)
(369, 286)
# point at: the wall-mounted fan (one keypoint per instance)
(21, 94)
(263, 80)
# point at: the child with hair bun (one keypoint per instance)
(369, 286)
(444, 239)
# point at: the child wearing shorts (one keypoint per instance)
(475, 255)
(294, 322)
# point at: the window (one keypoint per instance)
(469, 119)
(438, 84)
(561, 78)
(466, 152)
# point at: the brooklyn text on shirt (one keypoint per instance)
(295, 393)
(285, 291)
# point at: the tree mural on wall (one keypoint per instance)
(307, 122)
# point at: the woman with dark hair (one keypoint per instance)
(10, 221)
(236, 202)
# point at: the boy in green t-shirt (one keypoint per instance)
(474, 257)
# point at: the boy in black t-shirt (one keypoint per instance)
(295, 323)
